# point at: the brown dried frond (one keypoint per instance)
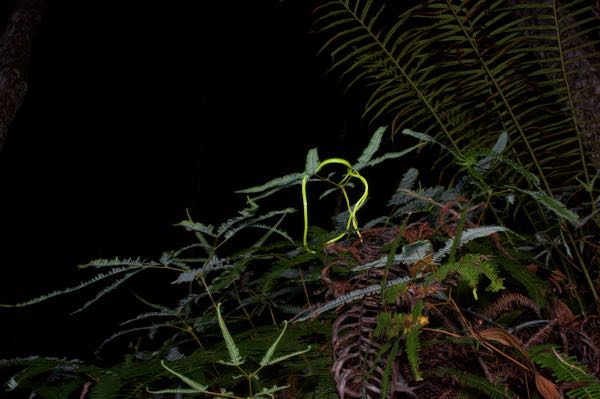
(369, 246)
(447, 324)
(542, 334)
(510, 301)
(448, 393)
(417, 231)
(563, 314)
(507, 371)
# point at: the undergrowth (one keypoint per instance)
(424, 301)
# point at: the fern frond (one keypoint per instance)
(554, 205)
(312, 162)
(371, 149)
(137, 262)
(507, 302)
(274, 185)
(121, 333)
(196, 386)
(413, 345)
(107, 290)
(408, 179)
(213, 264)
(566, 368)
(466, 236)
(494, 391)
(411, 253)
(229, 229)
(541, 335)
(150, 315)
(95, 279)
(485, 164)
(536, 287)
(457, 70)
(234, 353)
(269, 353)
(287, 356)
(470, 268)
(353, 296)
(387, 372)
(244, 214)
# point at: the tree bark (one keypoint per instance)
(15, 45)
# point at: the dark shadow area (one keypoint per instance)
(136, 112)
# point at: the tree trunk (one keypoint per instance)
(15, 45)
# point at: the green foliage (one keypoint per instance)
(520, 80)
(566, 369)
(448, 82)
(235, 360)
(470, 380)
(490, 84)
(470, 268)
(412, 341)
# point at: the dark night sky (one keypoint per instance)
(137, 111)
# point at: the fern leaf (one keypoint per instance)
(408, 179)
(231, 231)
(466, 236)
(312, 162)
(149, 315)
(413, 345)
(484, 165)
(536, 287)
(387, 372)
(196, 386)
(268, 392)
(289, 355)
(97, 263)
(353, 296)
(231, 275)
(244, 214)
(493, 391)
(418, 135)
(371, 149)
(121, 333)
(95, 279)
(533, 76)
(234, 353)
(470, 267)
(553, 205)
(190, 225)
(278, 183)
(107, 290)
(566, 368)
(411, 253)
(269, 353)
(390, 155)
(180, 391)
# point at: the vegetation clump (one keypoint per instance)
(484, 286)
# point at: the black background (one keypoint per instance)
(137, 111)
